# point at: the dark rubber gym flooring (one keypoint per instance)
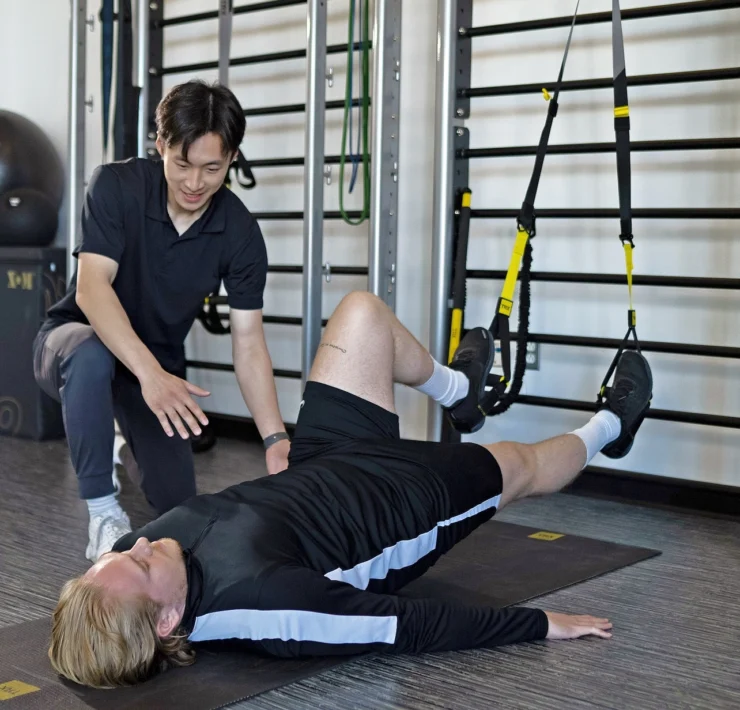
(677, 616)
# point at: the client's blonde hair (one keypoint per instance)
(103, 641)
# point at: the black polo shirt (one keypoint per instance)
(162, 277)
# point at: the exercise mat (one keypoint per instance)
(500, 564)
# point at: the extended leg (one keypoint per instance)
(549, 466)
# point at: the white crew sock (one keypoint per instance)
(107, 506)
(118, 443)
(603, 428)
(445, 386)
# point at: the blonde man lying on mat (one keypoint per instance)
(307, 562)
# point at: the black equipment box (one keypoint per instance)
(31, 281)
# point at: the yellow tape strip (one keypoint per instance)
(466, 199)
(455, 330)
(14, 688)
(547, 536)
(621, 112)
(507, 292)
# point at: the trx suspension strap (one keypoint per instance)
(241, 168)
(363, 12)
(210, 319)
(622, 131)
(497, 399)
(459, 291)
(127, 95)
(225, 21)
(106, 53)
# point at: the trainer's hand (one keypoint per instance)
(567, 626)
(276, 457)
(169, 397)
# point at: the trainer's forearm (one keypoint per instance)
(102, 308)
(253, 368)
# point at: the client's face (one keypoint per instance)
(152, 569)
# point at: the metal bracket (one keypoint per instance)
(464, 57)
(327, 174)
(156, 57)
(461, 169)
(326, 271)
(330, 77)
(385, 141)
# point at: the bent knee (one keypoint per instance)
(517, 463)
(361, 301)
(360, 308)
(90, 360)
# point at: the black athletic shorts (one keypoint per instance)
(333, 423)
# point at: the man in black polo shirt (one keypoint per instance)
(157, 238)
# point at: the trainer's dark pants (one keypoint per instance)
(73, 366)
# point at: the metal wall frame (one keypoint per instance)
(76, 125)
(385, 134)
(454, 95)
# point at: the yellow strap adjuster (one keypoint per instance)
(507, 293)
(628, 260)
(506, 307)
(546, 94)
(621, 112)
(455, 332)
(466, 199)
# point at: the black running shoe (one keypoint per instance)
(474, 358)
(629, 398)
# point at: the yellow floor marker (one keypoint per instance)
(548, 536)
(14, 688)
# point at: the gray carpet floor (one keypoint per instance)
(677, 617)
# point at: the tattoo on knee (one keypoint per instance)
(331, 345)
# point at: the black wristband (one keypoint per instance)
(268, 441)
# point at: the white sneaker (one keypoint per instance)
(104, 531)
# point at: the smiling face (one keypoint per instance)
(192, 180)
(154, 570)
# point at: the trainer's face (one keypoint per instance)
(192, 181)
(152, 569)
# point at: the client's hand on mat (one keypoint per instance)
(169, 398)
(567, 626)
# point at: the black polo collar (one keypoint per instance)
(212, 221)
(194, 573)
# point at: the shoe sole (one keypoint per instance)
(618, 453)
(484, 379)
(481, 387)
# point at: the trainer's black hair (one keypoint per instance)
(192, 109)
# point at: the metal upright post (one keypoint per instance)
(443, 180)
(142, 67)
(76, 125)
(154, 64)
(385, 139)
(313, 201)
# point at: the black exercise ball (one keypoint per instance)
(28, 158)
(31, 183)
(27, 218)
